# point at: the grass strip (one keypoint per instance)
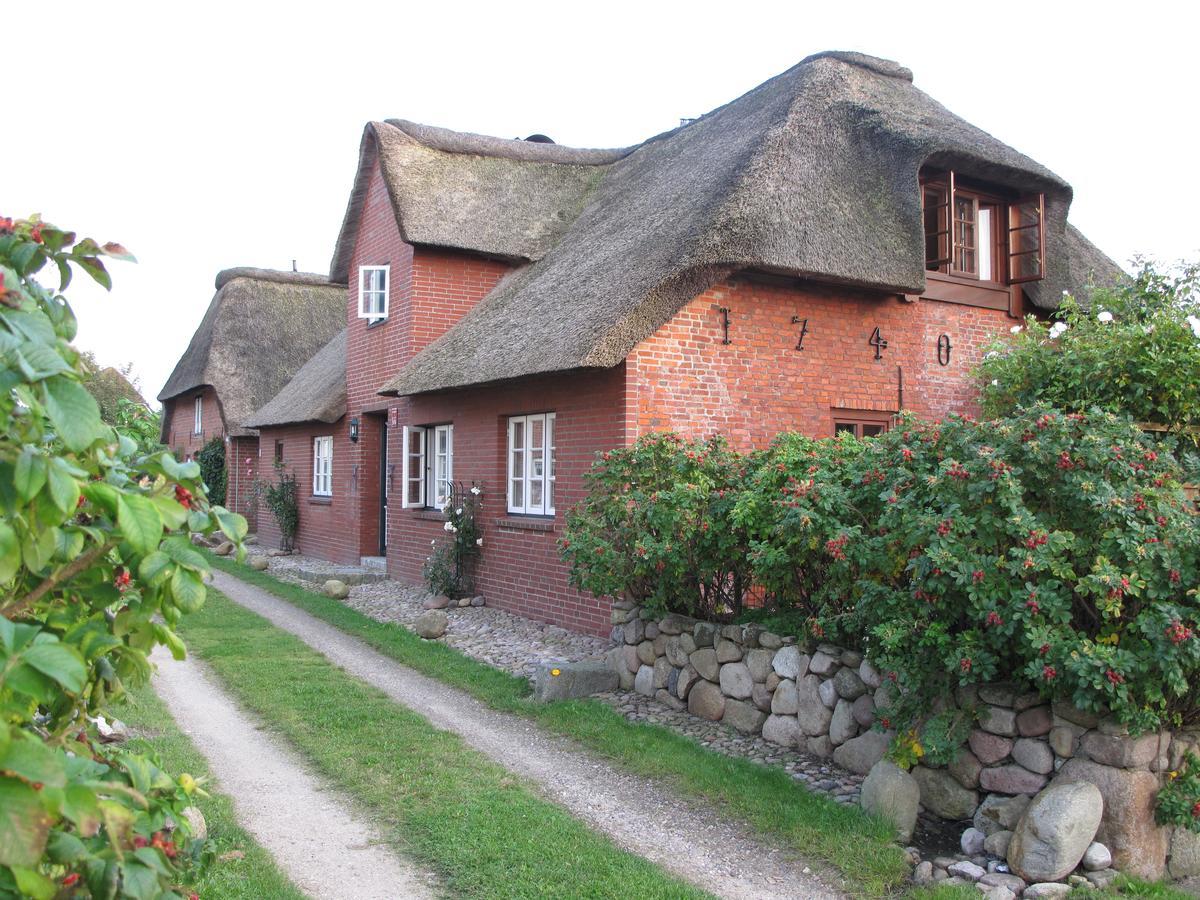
(446, 806)
(766, 797)
(252, 875)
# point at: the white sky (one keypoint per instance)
(205, 136)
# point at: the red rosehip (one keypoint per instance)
(994, 620)
(139, 841)
(71, 880)
(1044, 649)
(1048, 672)
(1114, 677)
(121, 582)
(964, 664)
(977, 576)
(1174, 576)
(36, 234)
(183, 496)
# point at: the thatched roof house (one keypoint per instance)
(259, 330)
(813, 174)
(317, 393)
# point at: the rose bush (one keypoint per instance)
(657, 527)
(1053, 548)
(96, 569)
(450, 567)
(1134, 350)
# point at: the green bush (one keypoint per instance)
(212, 468)
(450, 567)
(1135, 350)
(281, 497)
(657, 527)
(95, 571)
(1051, 548)
(1178, 802)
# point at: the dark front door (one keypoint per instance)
(383, 486)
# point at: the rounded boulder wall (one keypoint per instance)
(1127, 828)
(736, 681)
(706, 700)
(1055, 831)
(892, 793)
(943, 796)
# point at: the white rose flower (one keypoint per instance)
(478, 542)
(991, 354)
(1016, 329)
(449, 526)
(475, 491)
(458, 512)
(1105, 317)
(1057, 330)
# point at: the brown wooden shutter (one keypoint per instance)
(1027, 239)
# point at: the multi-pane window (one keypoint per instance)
(860, 428)
(198, 416)
(428, 465)
(373, 292)
(531, 464)
(323, 467)
(965, 233)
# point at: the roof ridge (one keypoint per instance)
(451, 141)
(313, 278)
(889, 68)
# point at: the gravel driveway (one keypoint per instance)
(317, 838)
(682, 836)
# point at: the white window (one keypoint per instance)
(198, 416)
(323, 467)
(428, 467)
(531, 464)
(373, 292)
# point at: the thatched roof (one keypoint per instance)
(317, 393)
(812, 174)
(260, 328)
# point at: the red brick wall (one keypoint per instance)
(180, 412)
(324, 530)
(684, 379)
(241, 476)
(519, 569)
(429, 291)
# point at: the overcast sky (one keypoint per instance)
(205, 136)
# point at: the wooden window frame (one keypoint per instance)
(198, 415)
(421, 469)
(857, 418)
(322, 483)
(523, 505)
(279, 453)
(948, 252)
(373, 315)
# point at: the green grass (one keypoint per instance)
(253, 876)
(443, 804)
(767, 798)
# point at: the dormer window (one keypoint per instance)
(970, 233)
(373, 292)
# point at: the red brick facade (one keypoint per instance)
(683, 378)
(241, 453)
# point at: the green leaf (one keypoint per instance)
(27, 757)
(81, 807)
(233, 525)
(188, 590)
(23, 257)
(34, 884)
(10, 553)
(65, 848)
(179, 471)
(139, 882)
(29, 474)
(171, 640)
(64, 489)
(58, 661)
(103, 495)
(24, 824)
(95, 268)
(116, 251)
(38, 549)
(153, 568)
(173, 514)
(140, 522)
(73, 411)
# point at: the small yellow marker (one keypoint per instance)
(555, 672)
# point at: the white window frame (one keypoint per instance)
(377, 311)
(427, 473)
(519, 496)
(323, 466)
(198, 416)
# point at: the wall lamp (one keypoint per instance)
(354, 430)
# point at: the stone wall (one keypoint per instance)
(823, 699)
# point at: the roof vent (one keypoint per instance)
(539, 139)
